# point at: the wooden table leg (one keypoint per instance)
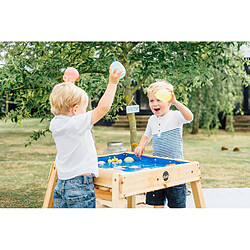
(198, 194)
(53, 177)
(131, 201)
(117, 201)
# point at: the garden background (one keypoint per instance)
(207, 77)
(113, 228)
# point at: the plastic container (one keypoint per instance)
(120, 67)
(114, 147)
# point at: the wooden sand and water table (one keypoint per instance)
(123, 176)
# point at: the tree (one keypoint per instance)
(31, 69)
(196, 69)
(217, 88)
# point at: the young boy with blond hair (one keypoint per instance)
(165, 129)
(76, 159)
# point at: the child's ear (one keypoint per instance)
(74, 109)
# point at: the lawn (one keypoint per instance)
(24, 171)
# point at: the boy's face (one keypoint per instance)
(159, 108)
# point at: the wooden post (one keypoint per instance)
(198, 194)
(131, 119)
(53, 177)
(7, 103)
(117, 201)
(131, 201)
(104, 195)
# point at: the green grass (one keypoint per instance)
(24, 171)
(221, 168)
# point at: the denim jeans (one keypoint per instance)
(176, 197)
(77, 192)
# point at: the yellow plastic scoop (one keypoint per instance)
(164, 95)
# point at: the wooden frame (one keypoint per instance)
(53, 177)
(121, 187)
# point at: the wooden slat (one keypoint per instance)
(149, 180)
(131, 201)
(105, 177)
(53, 177)
(104, 195)
(117, 201)
(198, 194)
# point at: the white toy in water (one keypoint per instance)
(128, 159)
(120, 67)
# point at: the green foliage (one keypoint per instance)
(36, 135)
(220, 90)
(207, 76)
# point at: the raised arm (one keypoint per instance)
(187, 114)
(107, 99)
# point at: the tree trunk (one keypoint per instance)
(197, 113)
(89, 107)
(196, 123)
(7, 103)
(131, 119)
(128, 97)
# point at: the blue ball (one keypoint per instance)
(120, 67)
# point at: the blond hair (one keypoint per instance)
(65, 96)
(158, 85)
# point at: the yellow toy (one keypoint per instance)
(164, 95)
(114, 160)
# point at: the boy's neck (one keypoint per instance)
(163, 114)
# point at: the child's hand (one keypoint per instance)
(114, 76)
(139, 150)
(173, 99)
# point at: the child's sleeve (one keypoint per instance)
(148, 131)
(83, 122)
(180, 118)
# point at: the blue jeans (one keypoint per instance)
(77, 192)
(176, 197)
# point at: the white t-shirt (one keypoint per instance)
(166, 134)
(76, 153)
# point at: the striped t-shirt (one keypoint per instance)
(166, 134)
